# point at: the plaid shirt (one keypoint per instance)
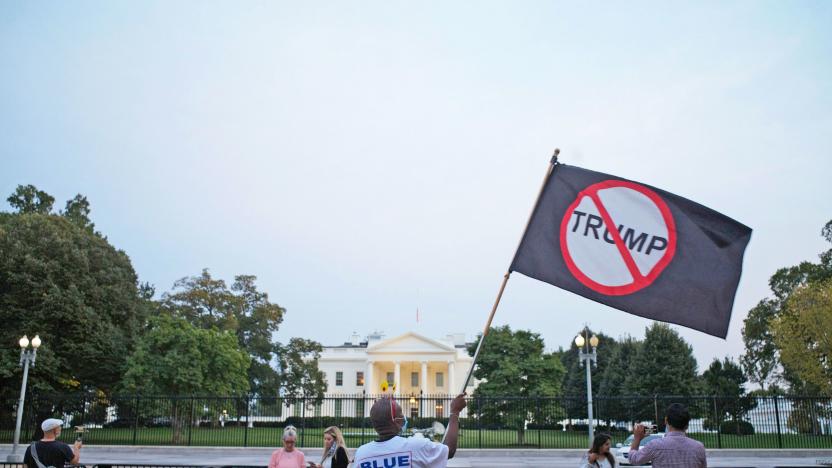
(674, 450)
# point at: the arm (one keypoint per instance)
(636, 456)
(76, 453)
(452, 433)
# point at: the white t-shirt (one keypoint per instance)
(402, 452)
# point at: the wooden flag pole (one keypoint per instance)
(485, 330)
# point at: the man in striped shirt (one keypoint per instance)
(675, 449)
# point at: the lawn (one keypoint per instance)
(469, 438)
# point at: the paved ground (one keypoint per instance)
(222, 456)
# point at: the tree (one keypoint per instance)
(724, 381)
(663, 365)
(77, 211)
(176, 358)
(206, 302)
(803, 334)
(612, 390)
(513, 364)
(243, 310)
(761, 361)
(298, 363)
(72, 288)
(27, 199)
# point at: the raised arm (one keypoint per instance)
(452, 432)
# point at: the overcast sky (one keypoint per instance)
(365, 159)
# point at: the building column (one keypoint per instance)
(424, 387)
(369, 387)
(397, 374)
(451, 378)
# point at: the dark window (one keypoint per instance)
(339, 379)
(414, 379)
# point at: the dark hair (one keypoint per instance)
(678, 416)
(598, 442)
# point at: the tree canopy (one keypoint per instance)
(69, 285)
(514, 363)
(762, 361)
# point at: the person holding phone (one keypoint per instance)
(335, 450)
(599, 455)
(675, 449)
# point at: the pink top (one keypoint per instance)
(283, 459)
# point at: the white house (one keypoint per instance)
(420, 367)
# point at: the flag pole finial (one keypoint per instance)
(555, 156)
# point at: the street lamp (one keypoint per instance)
(26, 356)
(587, 358)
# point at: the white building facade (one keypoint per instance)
(426, 372)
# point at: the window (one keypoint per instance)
(338, 404)
(440, 379)
(359, 379)
(440, 410)
(391, 378)
(339, 379)
(414, 379)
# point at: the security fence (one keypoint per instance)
(487, 422)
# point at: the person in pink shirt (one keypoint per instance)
(288, 456)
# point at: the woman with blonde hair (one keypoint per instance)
(335, 450)
(288, 456)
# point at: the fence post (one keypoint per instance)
(479, 421)
(539, 425)
(777, 418)
(191, 420)
(718, 424)
(364, 412)
(303, 421)
(136, 419)
(248, 417)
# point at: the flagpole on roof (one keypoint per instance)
(552, 164)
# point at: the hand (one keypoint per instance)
(78, 444)
(593, 457)
(458, 404)
(639, 431)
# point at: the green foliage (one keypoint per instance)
(614, 378)
(72, 288)
(77, 211)
(513, 363)
(300, 377)
(206, 302)
(734, 427)
(173, 357)
(803, 334)
(762, 359)
(725, 380)
(27, 199)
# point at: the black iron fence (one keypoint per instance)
(487, 422)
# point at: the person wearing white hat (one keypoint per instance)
(50, 451)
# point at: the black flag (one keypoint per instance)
(636, 248)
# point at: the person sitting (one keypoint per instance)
(389, 449)
(288, 456)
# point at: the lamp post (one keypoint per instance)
(26, 356)
(587, 358)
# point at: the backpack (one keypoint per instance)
(35, 457)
